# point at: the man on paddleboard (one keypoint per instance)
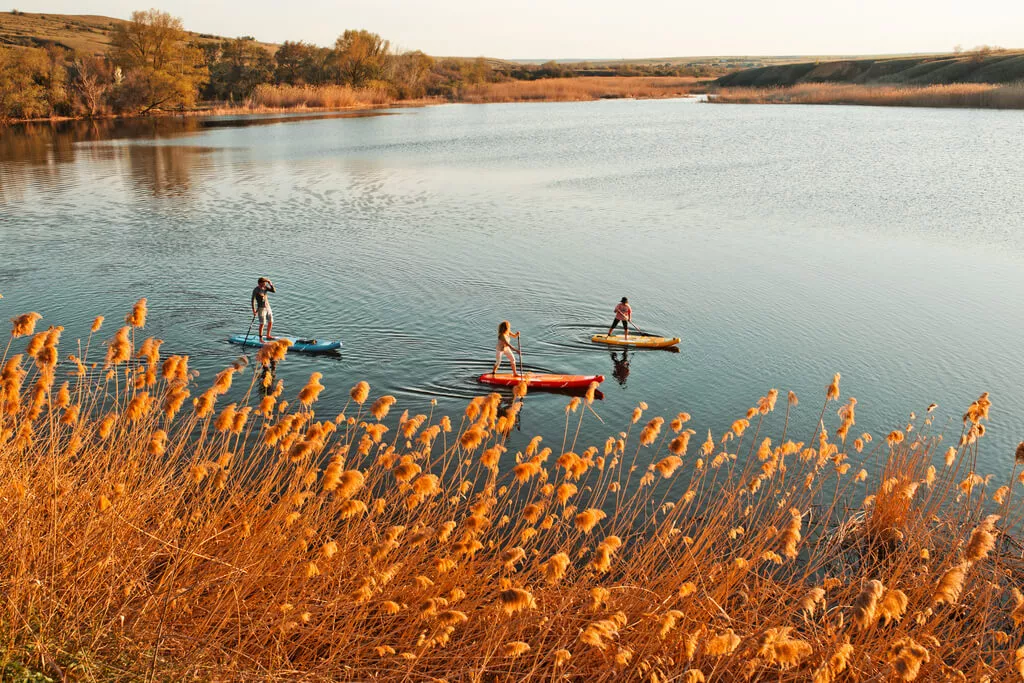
(624, 315)
(261, 306)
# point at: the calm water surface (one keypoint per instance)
(783, 244)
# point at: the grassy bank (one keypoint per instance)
(164, 525)
(572, 89)
(580, 88)
(319, 97)
(284, 98)
(973, 95)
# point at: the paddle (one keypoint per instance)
(249, 331)
(519, 348)
(641, 332)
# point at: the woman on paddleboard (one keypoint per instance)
(624, 315)
(261, 306)
(504, 347)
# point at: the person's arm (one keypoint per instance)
(514, 334)
(270, 287)
(629, 313)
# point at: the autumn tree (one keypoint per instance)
(33, 83)
(236, 68)
(160, 68)
(21, 95)
(410, 73)
(90, 79)
(299, 63)
(360, 57)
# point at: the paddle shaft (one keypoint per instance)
(249, 331)
(637, 329)
(519, 349)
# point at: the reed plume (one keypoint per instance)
(248, 539)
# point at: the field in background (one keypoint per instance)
(164, 526)
(85, 33)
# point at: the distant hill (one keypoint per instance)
(86, 33)
(978, 66)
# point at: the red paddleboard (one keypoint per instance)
(541, 381)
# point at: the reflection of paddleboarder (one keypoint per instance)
(620, 371)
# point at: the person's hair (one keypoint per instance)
(262, 280)
(625, 300)
(504, 327)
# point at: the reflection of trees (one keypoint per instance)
(33, 154)
(164, 170)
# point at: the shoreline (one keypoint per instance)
(577, 89)
(952, 96)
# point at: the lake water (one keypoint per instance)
(783, 244)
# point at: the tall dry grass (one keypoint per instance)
(316, 97)
(579, 88)
(160, 525)
(969, 95)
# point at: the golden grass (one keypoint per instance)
(974, 95)
(160, 525)
(580, 88)
(274, 97)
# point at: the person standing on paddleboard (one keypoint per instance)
(504, 347)
(261, 306)
(624, 315)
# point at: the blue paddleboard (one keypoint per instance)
(305, 345)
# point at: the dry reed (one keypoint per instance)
(146, 536)
(968, 95)
(272, 97)
(580, 88)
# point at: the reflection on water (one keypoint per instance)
(164, 170)
(782, 244)
(620, 366)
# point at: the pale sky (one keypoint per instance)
(568, 29)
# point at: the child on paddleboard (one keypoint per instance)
(624, 315)
(261, 306)
(504, 347)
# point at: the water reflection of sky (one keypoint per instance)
(782, 243)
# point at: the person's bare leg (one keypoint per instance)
(625, 328)
(260, 335)
(270, 326)
(513, 362)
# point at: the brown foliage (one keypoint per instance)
(219, 542)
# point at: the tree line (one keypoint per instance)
(154, 64)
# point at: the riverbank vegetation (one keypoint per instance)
(986, 78)
(164, 525)
(152, 64)
(580, 88)
(974, 95)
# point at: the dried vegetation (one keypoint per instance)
(159, 525)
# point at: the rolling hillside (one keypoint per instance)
(981, 66)
(87, 33)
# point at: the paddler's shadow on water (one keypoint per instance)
(620, 363)
(620, 366)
